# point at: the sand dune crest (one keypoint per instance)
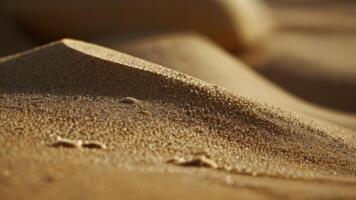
(74, 90)
(195, 55)
(74, 68)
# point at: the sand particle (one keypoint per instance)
(129, 100)
(145, 112)
(94, 145)
(6, 173)
(201, 161)
(67, 143)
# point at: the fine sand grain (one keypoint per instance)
(73, 90)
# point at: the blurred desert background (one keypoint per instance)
(158, 99)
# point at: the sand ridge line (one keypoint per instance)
(234, 123)
(196, 55)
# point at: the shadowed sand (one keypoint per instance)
(312, 55)
(194, 55)
(74, 90)
(232, 24)
(12, 40)
(317, 67)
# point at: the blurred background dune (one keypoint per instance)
(312, 53)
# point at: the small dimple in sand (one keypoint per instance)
(129, 100)
(68, 143)
(201, 161)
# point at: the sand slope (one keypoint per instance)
(199, 57)
(73, 89)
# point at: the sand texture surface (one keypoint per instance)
(79, 91)
(232, 24)
(199, 57)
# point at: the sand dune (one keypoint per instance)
(305, 71)
(233, 24)
(197, 56)
(312, 53)
(315, 17)
(74, 89)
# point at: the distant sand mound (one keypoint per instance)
(317, 67)
(74, 90)
(233, 24)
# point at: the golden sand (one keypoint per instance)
(199, 57)
(74, 90)
(233, 24)
(312, 53)
(318, 68)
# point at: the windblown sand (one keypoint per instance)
(75, 90)
(197, 56)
